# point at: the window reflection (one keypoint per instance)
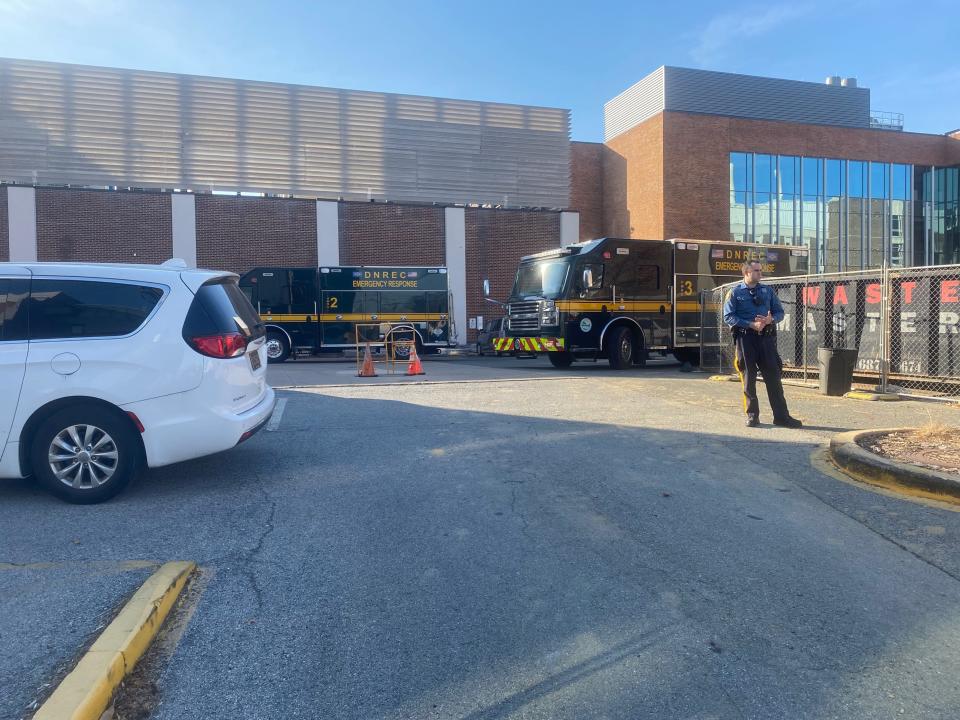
(788, 208)
(851, 214)
(941, 209)
(741, 197)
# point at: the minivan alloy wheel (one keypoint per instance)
(83, 456)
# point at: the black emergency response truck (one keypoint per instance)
(620, 299)
(312, 310)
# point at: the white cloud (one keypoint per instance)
(724, 31)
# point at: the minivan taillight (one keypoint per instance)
(227, 345)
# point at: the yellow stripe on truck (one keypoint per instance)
(351, 317)
(626, 306)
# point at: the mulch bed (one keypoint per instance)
(937, 451)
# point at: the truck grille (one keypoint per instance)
(525, 315)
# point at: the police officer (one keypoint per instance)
(752, 311)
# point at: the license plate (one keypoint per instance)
(254, 359)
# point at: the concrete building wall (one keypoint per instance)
(586, 187)
(4, 227)
(633, 191)
(240, 233)
(101, 226)
(379, 234)
(495, 242)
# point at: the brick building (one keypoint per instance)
(98, 164)
(708, 155)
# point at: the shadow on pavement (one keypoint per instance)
(388, 558)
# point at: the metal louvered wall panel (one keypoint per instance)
(637, 103)
(748, 96)
(731, 95)
(79, 125)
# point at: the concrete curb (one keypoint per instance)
(86, 692)
(872, 396)
(891, 474)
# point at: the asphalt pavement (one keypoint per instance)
(546, 544)
(51, 611)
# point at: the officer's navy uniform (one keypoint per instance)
(757, 351)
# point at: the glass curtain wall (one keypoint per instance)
(741, 197)
(852, 214)
(941, 215)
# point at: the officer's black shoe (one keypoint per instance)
(753, 421)
(788, 422)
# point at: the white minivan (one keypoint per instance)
(105, 369)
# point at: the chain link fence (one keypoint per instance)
(904, 325)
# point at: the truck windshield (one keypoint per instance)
(543, 279)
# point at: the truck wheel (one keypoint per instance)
(621, 348)
(85, 454)
(278, 349)
(401, 350)
(561, 359)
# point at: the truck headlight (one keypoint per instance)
(548, 313)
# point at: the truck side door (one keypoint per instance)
(305, 329)
(642, 279)
(437, 328)
(343, 310)
(273, 292)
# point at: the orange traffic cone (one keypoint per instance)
(367, 370)
(414, 368)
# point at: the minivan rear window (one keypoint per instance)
(62, 309)
(221, 307)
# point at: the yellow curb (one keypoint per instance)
(723, 378)
(861, 395)
(86, 692)
(822, 461)
(867, 467)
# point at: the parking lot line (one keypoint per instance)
(277, 415)
(86, 692)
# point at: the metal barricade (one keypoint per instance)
(395, 340)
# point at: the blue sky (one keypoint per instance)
(559, 54)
